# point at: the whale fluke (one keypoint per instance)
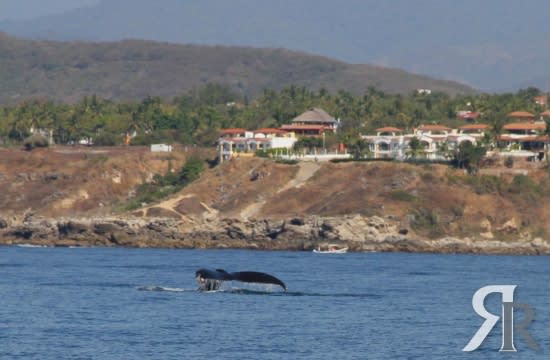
(212, 279)
(257, 277)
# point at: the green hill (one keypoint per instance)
(133, 69)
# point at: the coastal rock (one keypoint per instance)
(509, 227)
(72, 227)
(487, 235)
(358, 232)
(485, 226)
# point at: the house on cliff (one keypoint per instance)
(391, 142)
(241, 142)
(525, 137)
(313, 122)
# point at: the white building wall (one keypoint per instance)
(161, 148)
(283, 142)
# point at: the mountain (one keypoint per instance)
(133, 69)
(493, 45)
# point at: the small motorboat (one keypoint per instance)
(332, 249)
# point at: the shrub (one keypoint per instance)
(106, 139)
(522, 184)
(261, 153)
(286, 162)
(486, 184)
(191, 170)
(509, 162)
(402, 195)
(428, 221)
(165, 185)
(35, 141)
(351, 159)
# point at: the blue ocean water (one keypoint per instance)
(100, 303)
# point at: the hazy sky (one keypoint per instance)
(28, 9)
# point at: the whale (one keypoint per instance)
(211, 280)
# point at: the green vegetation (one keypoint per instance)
(521, 185)
(195, 117)
(286, 162)
(170, 183)
(469, 156)
(524, 185)
(427, 221)
(362, 160)
(402, 195)
(481, 184)
(509, 162)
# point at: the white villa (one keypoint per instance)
(240, 141)
(314, 122)
(391, 142)
(523, 139)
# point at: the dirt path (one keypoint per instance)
(169, 204)
(306, 171)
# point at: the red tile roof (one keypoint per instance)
(304, 127)
(269, 131)
(524, 126)
(389, 129)
(521, 114)
(525, 138)
(434, 128)
(474, 127)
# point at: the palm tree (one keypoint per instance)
(496, 123)
(415, 148)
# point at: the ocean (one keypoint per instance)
(118, 303)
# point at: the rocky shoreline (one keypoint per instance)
(359, 233)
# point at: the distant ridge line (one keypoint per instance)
(134, 69)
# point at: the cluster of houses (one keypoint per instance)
(525, 136)
(312, 123)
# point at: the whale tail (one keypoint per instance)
(257, 277)
(212, 279)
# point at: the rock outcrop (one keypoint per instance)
(359, 233)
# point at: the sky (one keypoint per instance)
(28, 9)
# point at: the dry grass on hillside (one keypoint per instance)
(432, 200)
(70, 180)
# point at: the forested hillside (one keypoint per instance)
(133, 69)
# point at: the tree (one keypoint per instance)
(309, 143)
(468, 156)
(496, 123)
(359, 149)
(415, 148)
(191, 170)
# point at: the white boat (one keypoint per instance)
(332, 249)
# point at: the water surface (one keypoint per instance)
(95, 303)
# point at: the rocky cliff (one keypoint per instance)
(358, 232)
(260, 204)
